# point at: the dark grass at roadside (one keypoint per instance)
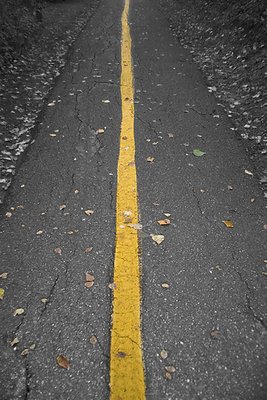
(27, 80)
(228, 42)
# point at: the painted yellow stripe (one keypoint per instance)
(126, 364)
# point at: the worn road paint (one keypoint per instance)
(126, 363)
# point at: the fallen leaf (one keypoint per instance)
(62, 206)
(89, 212)
(215, 333)
(76, 191)
(32, 346)
(228, 223)
(150, 159)
(89, 277)
(63, 362)
(51, 104)
(112, 286)
(93, 340)
(265, 226)
(168, 376)
(164, 221)
(8, 214)
(39, 232)
(252, 200)
(4, 275)
(229, 187)
(157, 238)
(25, 352)
(171, 135)
(58, 250)
(44, 300)
(89, 284)
(121, 354)
(18, 311)
(124, 138)
(170, 368)
(138, 227)
(2, 293)
(14, 342)
(100, 130)
(163, 354)
(167, 214)
(248, 172)
(198, 153)
(264, 273)
(52, 134)
(165, 285)
(88, 249)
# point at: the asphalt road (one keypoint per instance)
(210, 318)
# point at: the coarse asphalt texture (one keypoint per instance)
(210, 318)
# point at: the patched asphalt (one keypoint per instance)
(212, 318)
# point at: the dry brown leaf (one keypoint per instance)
(93, 340)
(228, 223)
(58, 250)
(14, 342)
(121, 354)
(163, 354)
(157, 238)
(89, 212)
(89, 277)
(165, 285)
(89, 284)
(135, 226)
(248, 172)
(164, 221)
(215, 333)
(150, 159)
(18, 311)
(63, 362)
(168, 376)
(112, 286)
(124, 138)
(25, 352)
(4, 275)
(170, 368)
(88, 249)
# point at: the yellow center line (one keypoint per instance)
(126, 363)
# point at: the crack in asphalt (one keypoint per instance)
(49, 297)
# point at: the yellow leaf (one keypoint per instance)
(228, 223)
(2, 293)
(63, 362)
